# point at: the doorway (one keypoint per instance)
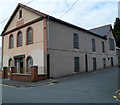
(76, 64)
(48, 66)
(112, 62)
(19, 63)
(86, 62)
(94, 64)
(21, 66)
(119, 61)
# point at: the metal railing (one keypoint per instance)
(42, 70)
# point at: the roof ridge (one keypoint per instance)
(14, 12)
(32, 9)
(100, 27)
(40, 13)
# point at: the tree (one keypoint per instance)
(117, 31)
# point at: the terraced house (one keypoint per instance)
(31, 38)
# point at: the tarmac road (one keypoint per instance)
(92, 87)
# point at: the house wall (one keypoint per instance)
(35, 50)
(118, 54)
(27, 16)
(0, 57)
(59, 45)
(62, 53)
(111, 53)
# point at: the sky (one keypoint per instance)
(87, 14)
(119, 10)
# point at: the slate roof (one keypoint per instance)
(102, 31)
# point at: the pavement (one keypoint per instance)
(21, 84)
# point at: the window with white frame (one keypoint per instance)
(11, 41)
(19, 39)
(29, 36)
(111, 44)
(75, 41)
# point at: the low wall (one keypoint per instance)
(28, 77)
(20, 77)
(42, 77)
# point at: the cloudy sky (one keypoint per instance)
(85, 13)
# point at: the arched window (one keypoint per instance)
(19, 39)
(29, 35)
(11, 41)
(29, 63)
(10, 62)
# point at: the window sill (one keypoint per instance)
(11, 48)
(29, 43)
(112, 50)
(93, 52)
(19, 46)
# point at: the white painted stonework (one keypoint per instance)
(5, 60)
(38, 59)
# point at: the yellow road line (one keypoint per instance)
(49, 84)
(27, 87)
(7, 85)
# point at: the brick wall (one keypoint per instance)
(28, 77)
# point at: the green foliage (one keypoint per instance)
(117, 31)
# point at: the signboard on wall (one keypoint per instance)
(20, 22)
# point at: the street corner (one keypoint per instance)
(7, 85)
(15, 84)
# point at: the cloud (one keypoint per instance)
(119, 9)
(92, 14)
(85, 13)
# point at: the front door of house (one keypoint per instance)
(19, 63)
(21, 66)
(94, 64)
(119, 61)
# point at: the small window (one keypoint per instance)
(94, 64)
(76, 40)
(93, 45)
(20, 14)
(76, 64)
(19, 39)
(29, 36)
(11, 41)
(111, 44)
(103, 47)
